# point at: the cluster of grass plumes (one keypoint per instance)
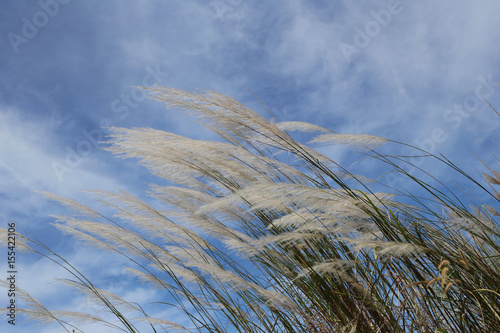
(246, 242)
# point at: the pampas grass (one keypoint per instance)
(243, 241)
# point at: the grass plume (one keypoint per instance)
(245, 241)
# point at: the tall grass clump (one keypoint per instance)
(261, 233)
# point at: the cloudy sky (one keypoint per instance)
(414, 71)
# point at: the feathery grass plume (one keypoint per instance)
(21, 242)
(39, 314)
(166, 325)
(77, 207)
(365, 141)
(245, 240)
(300, 126)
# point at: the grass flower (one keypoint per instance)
(244, 241)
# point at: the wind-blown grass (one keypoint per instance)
(246, 242)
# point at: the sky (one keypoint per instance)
(419, 72)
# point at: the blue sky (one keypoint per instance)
(413, 71)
